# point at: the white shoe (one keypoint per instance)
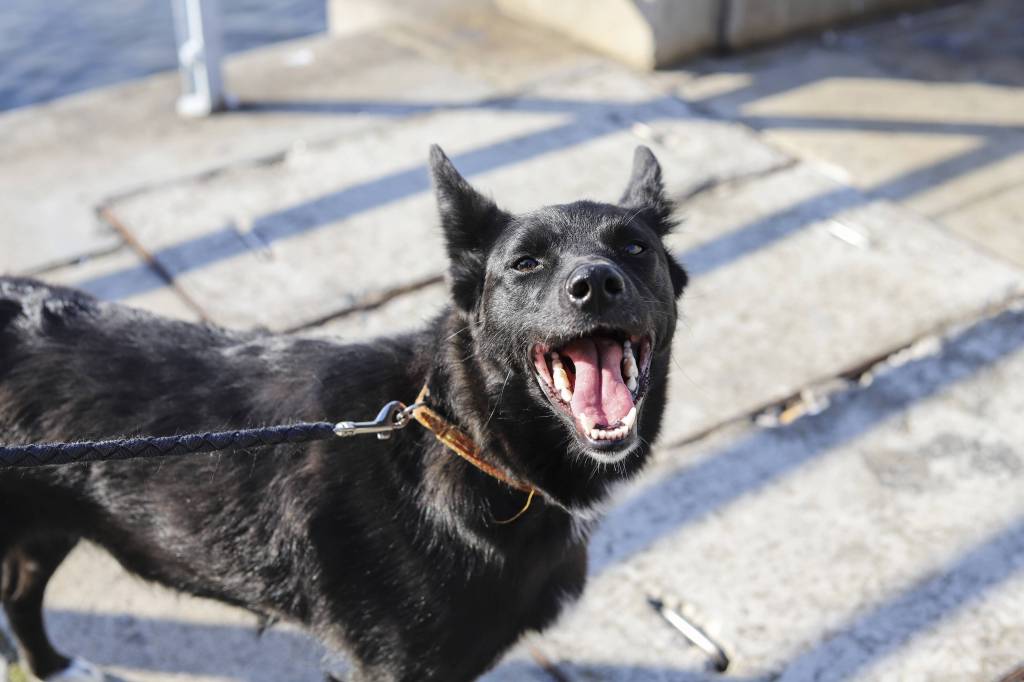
(79, 670)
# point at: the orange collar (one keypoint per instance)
(459, 442)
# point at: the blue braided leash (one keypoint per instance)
(393, 416)
(47, 454)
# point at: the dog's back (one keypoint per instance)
(72, 368)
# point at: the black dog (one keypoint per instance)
(552, 358)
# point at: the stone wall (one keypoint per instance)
(653, 33)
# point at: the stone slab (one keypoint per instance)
(993, 219)
(340, 225)
(407, 312)
(882, 539)
(926, 112)
(61, 160)
(50, 240)
(325, 229)
(798, 278)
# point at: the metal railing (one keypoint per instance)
(200, 51)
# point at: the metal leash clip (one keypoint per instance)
(393, 416)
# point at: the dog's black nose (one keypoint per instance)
(594, 285)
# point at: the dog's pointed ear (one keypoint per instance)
(471, 222)
(646, 192)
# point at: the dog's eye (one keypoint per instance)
(634, 248)
(526, 264)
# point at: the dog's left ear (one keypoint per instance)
(471, 222)
(646, 192)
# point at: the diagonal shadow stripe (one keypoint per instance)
(202, 251)
(767, 230)
(182, 647)
(759, 234)
(763, 457)
(869, 638)
(213, 247)
(546, 105)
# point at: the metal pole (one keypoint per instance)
(200, 48)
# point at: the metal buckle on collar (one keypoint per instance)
(393, 416)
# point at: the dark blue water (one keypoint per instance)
(50, 48)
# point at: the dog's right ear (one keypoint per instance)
(471, 222)
(645, 192)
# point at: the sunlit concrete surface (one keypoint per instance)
(836, 493)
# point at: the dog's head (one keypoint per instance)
(572, 307)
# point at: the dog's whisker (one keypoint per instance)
(497, 403)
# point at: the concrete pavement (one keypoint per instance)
(835, 496)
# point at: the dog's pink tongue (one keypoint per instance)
(599, 393)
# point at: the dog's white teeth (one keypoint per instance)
(629, 419)
(630, 371)
(561, 378)
(587, 423)
(617, 433)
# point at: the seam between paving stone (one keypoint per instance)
(107, 215)
(850, 378)
(371, 302)
(975, 246)
(734, 182)
(47, 268)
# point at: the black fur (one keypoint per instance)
(387, 550)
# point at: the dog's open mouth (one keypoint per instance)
(598, 381)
